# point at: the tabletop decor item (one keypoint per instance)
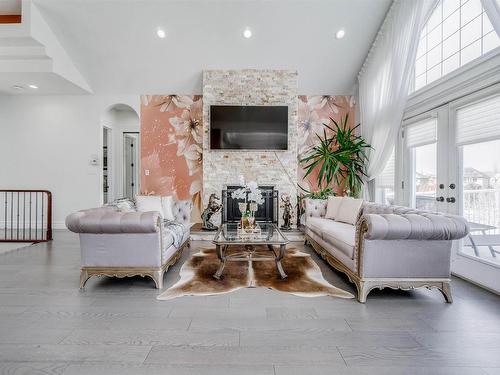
(212, 208)
(252, 197)
(287, 212)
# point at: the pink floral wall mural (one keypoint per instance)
(314, 111)
(171, 147)
(171, 141)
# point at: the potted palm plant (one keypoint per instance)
(339, 157)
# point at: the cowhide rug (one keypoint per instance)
(304, 276)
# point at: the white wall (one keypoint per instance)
(46, 142)
(120, 119)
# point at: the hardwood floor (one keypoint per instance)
(116, 326)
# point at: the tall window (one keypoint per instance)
(457, 32)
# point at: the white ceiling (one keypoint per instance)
(10, 7)
(114, 44)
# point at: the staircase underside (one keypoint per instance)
(30, 54)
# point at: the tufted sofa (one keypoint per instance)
(389, 246)
(124, 244)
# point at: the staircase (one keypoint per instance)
(30, 53)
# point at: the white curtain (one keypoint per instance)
(492, 9)
(384, 80)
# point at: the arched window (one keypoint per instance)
(457, 32)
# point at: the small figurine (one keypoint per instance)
(287, 212)
(212, 208)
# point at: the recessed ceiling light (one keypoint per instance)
(340, 34)
(33, 86)
(247, 33)
(161, 33)
(17, 87)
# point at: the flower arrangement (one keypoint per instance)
(248, 192)
(252, 197)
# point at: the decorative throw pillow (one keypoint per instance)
(123, 205)
(349, 210)
(167, 204)
(146, 203)
(332, 207)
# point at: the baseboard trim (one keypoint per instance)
(476, 283)
(58, 225)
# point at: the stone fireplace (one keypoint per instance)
(222, 168)
(268, 211)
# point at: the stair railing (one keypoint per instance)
(25, 215)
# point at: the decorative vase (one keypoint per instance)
(253, 207)
(244, 221)
(251, 222)
(242, 207)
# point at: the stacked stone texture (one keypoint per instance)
(250, 87)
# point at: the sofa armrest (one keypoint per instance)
(105, 221)
(414, 226)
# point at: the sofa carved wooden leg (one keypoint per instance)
(157, 276)
(84, 276)
(363, 291)
(446, 291)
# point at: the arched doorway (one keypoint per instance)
(120, 152)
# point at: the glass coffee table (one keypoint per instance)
(269, 235)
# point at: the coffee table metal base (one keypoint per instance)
(248, 255)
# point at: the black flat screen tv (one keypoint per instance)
(236, 127)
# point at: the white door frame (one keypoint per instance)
(466, 266)
(449, 170)
(407, 170)
(137, 167)
(109, 144)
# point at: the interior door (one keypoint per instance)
(106, 165)
(474, 159)
(131, 164)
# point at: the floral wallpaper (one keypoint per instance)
(314, 111)
(171, 147)
(171, 141)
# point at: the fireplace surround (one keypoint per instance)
(254, 88)
(267, 212)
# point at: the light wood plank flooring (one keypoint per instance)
(116, 326)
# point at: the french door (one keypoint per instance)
(426, 183)
(475, 156)
(451, 163)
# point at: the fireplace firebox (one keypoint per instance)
(267, 212)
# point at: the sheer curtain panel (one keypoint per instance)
(384, 80)
(492, 9)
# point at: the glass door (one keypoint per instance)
(424, 140)
(475, 161)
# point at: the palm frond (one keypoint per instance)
(339, 158)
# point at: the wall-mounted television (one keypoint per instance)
(248, 127)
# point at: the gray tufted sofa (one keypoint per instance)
(124, 244)
(390, 246)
